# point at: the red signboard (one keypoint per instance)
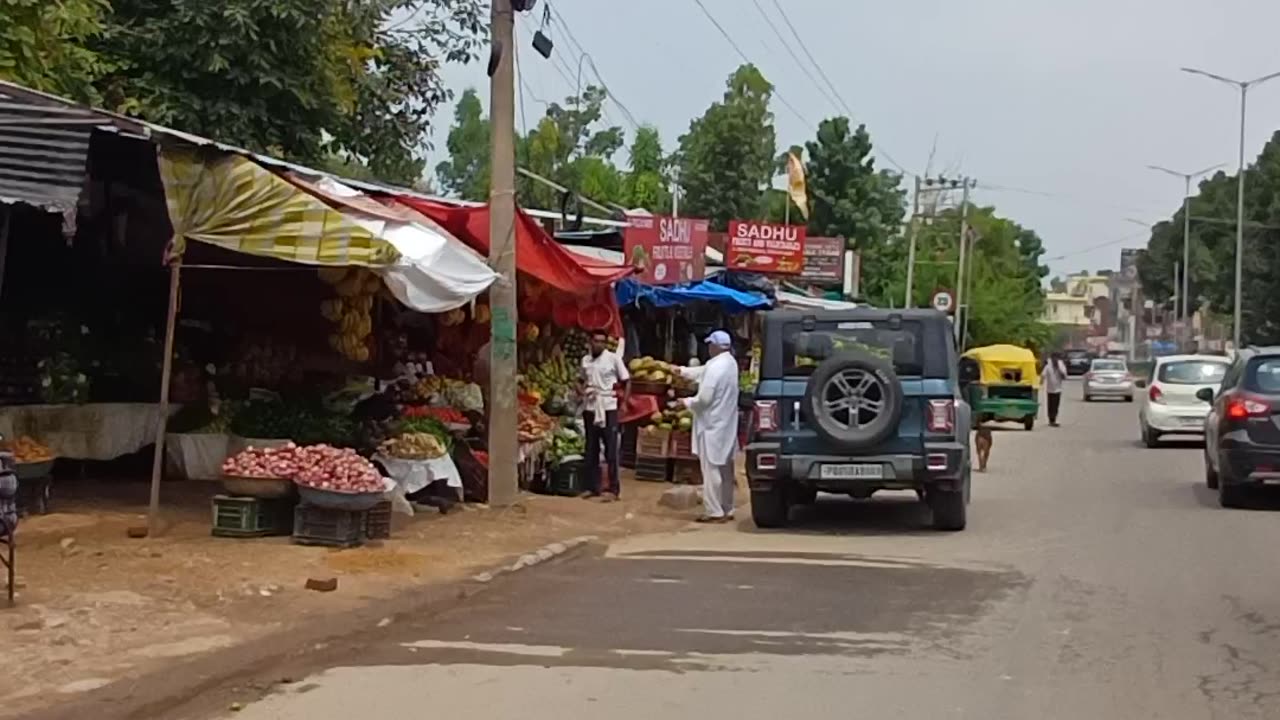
(765, 247)
(823, 260)
(666, 250)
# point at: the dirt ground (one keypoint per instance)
(94, 606)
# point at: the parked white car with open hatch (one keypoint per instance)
(1170, 406)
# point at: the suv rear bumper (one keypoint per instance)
(941, 466)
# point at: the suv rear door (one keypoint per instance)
(903, 341)
(1260, 398)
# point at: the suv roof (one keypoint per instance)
(938, 349)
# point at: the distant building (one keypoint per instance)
(1083, 312)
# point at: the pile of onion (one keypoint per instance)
(269, 463)
(323, 467)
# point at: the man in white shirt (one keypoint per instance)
(1055, 372)
(715, 426)
(602, 371)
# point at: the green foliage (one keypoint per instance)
(466, 173)
(42, 45)
(1212, 248)
(645, 184)
(301, 78)
(726, 159)
(568, 147)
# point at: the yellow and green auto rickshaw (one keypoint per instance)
(1001, 383)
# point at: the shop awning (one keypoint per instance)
(816, 303)
(232, 202)
(537, 254)
(629, 291)
(436, 272)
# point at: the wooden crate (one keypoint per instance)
(686, 472)
(681, 447)
(627, 451)
(377, 521)
(653, 444)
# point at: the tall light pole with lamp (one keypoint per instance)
(1186, 231)
(1244, 86)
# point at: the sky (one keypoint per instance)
(1055, 107)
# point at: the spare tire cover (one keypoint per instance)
(854, 400)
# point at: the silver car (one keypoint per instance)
(1108, 378)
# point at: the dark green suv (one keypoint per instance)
(856, 401)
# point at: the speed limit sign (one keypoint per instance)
(943, 301)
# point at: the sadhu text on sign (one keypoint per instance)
(666, 250)
(766, 247)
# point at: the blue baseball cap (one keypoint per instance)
(721, 338)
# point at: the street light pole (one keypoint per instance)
(1186, 230)
(1244, 86)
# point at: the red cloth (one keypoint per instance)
(537, 253)
(638, 407)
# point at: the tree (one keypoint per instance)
(568, 147)
(42, 45)
(851, 199)
(466, 173)
(302, 78)
(645, 184)
(726, 158)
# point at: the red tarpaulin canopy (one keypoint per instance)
(537, 254)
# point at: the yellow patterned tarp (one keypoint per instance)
(232, 202)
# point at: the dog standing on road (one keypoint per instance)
(982, 443)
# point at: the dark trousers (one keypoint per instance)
(608, 435)
(1055, 401)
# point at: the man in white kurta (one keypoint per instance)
(715, 426)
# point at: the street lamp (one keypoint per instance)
(1244, 86)
(1186, 228)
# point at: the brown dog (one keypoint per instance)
(982, 443)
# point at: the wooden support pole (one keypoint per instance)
(166, 371)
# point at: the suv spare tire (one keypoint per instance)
(854, 400)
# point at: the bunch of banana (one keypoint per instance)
(351, 310)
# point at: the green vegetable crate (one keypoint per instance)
(568, 478)
(246, 517)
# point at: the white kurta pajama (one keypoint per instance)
(715, 430)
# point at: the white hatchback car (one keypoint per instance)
(1170, 406)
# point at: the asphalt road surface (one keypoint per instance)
(1097, 580)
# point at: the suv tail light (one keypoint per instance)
(1155, 396)
(942, 416)
(1243, 407)
(766, 416)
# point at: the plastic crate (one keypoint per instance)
(627, 451)
(686, 472)
(652, 469)
(246, 517)
(568, 478)
(329, 528)
(377, 521)
(652, 444)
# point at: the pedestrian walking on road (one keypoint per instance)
(1055, 373)
(715, 425)
(602, 371)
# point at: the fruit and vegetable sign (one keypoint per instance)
(765, 247)
(666, 250)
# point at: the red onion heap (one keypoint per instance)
(321, 467)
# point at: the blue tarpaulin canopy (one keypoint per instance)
(629, 291)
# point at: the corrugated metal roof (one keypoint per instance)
(44, 142)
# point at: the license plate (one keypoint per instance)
(864, 471)
(1191, 421)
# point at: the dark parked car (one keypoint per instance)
(1078, 361)
(856, 401)
(1242, 429)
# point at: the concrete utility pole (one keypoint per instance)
(504, 409)
(1186, 229)
(914, 229)
(1244, 86)
(964, 240)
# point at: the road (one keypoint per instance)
(1097, 580)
